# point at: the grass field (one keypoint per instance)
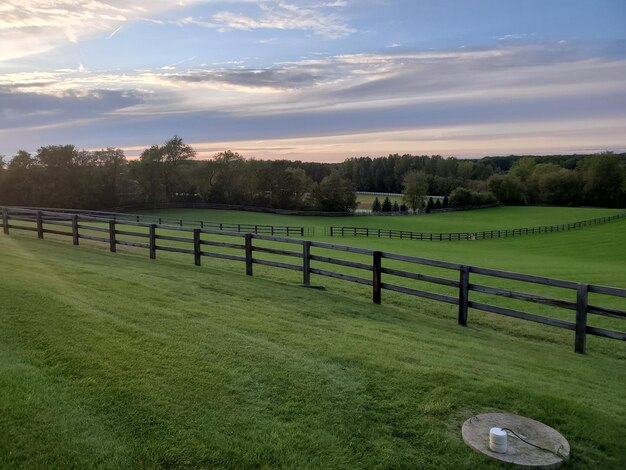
(460, 221)
(114, 361)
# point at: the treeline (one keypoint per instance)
(594, 180)
(64, 176)
(599, 180)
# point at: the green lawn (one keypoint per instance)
(115, 361)
(459, 221)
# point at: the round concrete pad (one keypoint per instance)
(476, 435)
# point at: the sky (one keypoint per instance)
(315, 80)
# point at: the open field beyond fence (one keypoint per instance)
(298, 255)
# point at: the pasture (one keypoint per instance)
(115, 360)
(495, 218)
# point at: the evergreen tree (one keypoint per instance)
(430, 205)
(404, 208)
(445, 202)
(387, 205)
(438, 204)
(376, 207)
(396, 207)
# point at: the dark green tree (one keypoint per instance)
(335, 194)
(376, 207)
(430, 205)
(386, 207)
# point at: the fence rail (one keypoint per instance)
(280, 230)
(371, 267)
(336, 231)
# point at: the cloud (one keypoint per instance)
(276, 79)
(517, 91)
(280, 16)
(31, 109)
(30, 27)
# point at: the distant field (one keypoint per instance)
(459, 221)
(365, 201)
(116, 361)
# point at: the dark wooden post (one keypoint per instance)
(112, 241)
(196, 246)
(580, 345)
(5, 220)
(306, 263)
(39, 225)
(152, 242)
(376, 276)
(75, 229)
(248, 238)
(463, 294)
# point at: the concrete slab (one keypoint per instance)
(554, 447)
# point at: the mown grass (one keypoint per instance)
(495, 218)
(115, 361)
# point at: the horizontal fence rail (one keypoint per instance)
(279, 230)
(337, 231)
(311, 257)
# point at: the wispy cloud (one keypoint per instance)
(519, 90)
(33, 26)
(117, 30)
(278, 15)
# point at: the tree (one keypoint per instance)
(175, 153)
(149, 172)
(396, 207)
(404, 208)
(415, 188)
(438, 204)
(603, 180)
(387, 205)
(445, 203)
(461, 197)
(335, 194)
(376, 207)
(430, 205)
(507, 189)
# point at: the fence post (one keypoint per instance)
(580, 345)
(196, 246)
(248, 238)
(152, 242)
(306, 263)
(39, 225)
(75, 229)
(376, 276)
(463, 294)
(112, 241)
(5, 220)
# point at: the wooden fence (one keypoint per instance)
(303, 257)
(334, 231)
(280, 230)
